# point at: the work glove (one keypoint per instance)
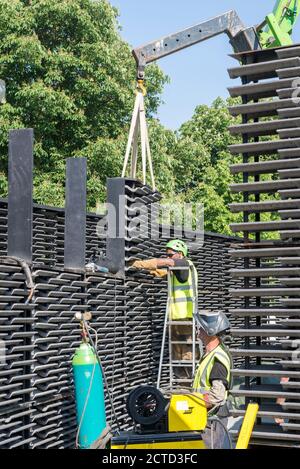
(159, 273)
(148, 264)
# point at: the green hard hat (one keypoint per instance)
(178, 246)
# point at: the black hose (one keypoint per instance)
(24, 265)
(28, 276)
(103, 373)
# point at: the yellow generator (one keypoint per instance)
(176, 422)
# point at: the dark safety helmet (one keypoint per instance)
(213, 322)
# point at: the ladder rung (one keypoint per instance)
(177, 365)
(182, 338)
(183, 380)
(180, 323)
(187, 342)
(183, 364)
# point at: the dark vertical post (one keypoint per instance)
(75, 214)
(115, 243)
(20, 175)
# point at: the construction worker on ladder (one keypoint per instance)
(213, 376)
(184, 290)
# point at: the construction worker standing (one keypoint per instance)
(184, 277)
(213, 376)
(184, 292)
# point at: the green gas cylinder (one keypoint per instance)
(86, 368)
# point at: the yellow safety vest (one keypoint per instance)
(184, 295)
(202, 378)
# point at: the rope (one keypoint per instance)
(138, 127)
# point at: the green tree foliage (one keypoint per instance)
(202, 161)
(202, 167)
(71, 77)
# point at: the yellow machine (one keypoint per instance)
(174, 423)
(187, 412)
(132, 441)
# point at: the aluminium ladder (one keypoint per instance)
(174, 365)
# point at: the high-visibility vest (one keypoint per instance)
(184, 295)
(202, 382)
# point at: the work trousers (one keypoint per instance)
(214, 436)
(182, 334)
(180, 352)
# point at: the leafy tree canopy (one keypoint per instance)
(71, 77)
(202, 161)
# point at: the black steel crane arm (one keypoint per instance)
(240, 37)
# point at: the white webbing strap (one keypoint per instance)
(138, 127)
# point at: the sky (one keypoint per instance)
(198, 74)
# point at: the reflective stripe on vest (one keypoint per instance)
(182, 288)
(202, 377)
(184, 295)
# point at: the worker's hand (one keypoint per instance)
(159, 273)
(148, 264)
(207, 402)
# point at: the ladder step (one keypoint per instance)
(183, 380)
(182, 362)
(182, 342)
(180, 323)
(175, 368)
(178, 365)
